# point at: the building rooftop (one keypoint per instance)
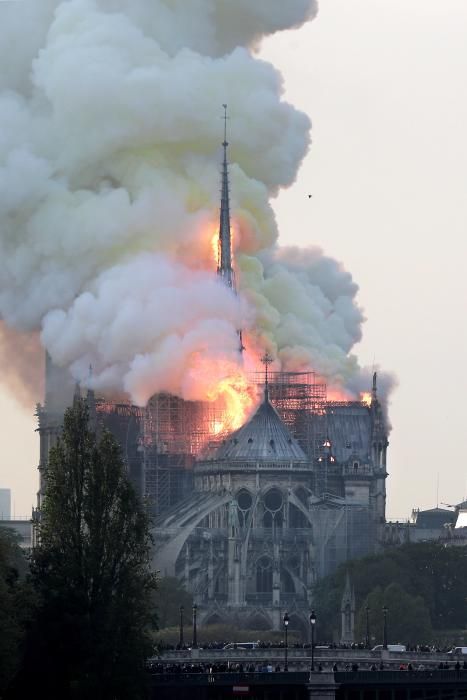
(263, 437)
(433, 518)
(349, 430)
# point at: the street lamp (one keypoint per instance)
(312, 623)
(181, 641)
(286, 625)
(385, 627)
(195, 640)
(367, 636)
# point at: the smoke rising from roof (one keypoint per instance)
(109, 187)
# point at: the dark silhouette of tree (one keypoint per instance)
(168, 598)
(408, 619)
(92, 572)
(16, 605)
(425, 570)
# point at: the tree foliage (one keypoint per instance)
(431, 575)
(91, 570)
(408, 620)
(16, 605)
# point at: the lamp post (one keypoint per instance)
(312, 623)
(367, 636)
(385, 627)
(286, 625)
(181, 641)
(195, 640)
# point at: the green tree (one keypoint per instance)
(427, 570)
(168, 598)
(408, 619)
(16, 604)
(92, 572)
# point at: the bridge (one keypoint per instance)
(357, 685)
(299, 659)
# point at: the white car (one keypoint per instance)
(241, 645)
(391, 647)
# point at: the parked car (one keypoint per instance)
(391, 647)
(241, 645)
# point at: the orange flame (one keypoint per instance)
(213, 237)
(337, 394)
(215, 247)
(235, 396)
(365, 397)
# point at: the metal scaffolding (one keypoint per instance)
(174, 433)
(161, 441)
(124, 421)
(301, 400)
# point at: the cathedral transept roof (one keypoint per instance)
(263, 437)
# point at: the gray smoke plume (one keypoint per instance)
(109, 179)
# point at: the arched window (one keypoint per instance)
(244, 502)
(264, 575)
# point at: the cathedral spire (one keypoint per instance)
(224, 267)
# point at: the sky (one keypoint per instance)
(384, 86)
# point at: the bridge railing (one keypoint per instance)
(235, 679)
(325, 655)
(391, 677)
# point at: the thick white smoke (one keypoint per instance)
(109, 187)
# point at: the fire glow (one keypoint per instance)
(213, 237)
(237, 399)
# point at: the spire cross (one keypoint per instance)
(225, 117)
(266, 360)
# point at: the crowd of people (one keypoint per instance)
(218, 645)
(222, 667)
(267, 667)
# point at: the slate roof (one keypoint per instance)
(263, 438)
(434, 518)
(349, 429)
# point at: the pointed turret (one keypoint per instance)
(378, 427)
(374, 392)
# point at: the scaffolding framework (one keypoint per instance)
(161, 441)
(124, 421)
(174, 433)
(301, 400)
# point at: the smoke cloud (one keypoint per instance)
(109, 188)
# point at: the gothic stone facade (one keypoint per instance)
(265, 519)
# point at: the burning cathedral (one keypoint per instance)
(249, 516)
